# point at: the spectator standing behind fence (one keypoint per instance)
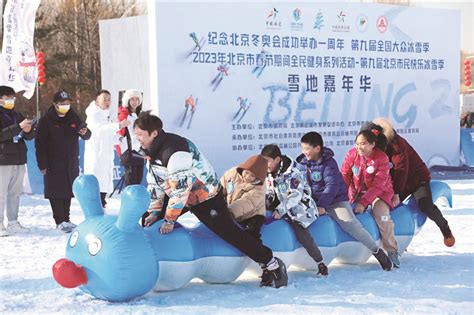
(57, 155)
(129, 156)
(14, 130)
(99, 150)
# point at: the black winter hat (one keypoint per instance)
(61, 96)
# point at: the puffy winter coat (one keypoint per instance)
(178, 169)
(289, 187)
(408, 169)
(57, 151)
(324, 178)
(99, 150)
(12, 152)
(367, 177)
(125, 115)
(244, 200)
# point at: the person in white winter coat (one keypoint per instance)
(99, 150)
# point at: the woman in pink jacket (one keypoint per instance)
(366, 172)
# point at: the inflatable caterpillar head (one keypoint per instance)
(108, 256)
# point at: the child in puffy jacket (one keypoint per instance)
(366, 172)
(244, 190)
(330, 192)
(289, 196)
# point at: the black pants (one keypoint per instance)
(61, 209)
(306, 239)
(214, 214)
(102, 199)
(424, 200)
(253, 225)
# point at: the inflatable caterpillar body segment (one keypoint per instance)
(113, 258)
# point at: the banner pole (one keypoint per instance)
(37, 100)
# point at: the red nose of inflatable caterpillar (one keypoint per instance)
(68, 274)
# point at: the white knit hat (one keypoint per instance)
(129, 94)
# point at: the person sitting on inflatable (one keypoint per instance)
(244, 191)
(410, 176)
(330, 192)
(178, 169)
(366, 172)
(289, 196)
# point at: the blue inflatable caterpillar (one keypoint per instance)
(113, 258)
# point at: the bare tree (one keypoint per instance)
(67, 31)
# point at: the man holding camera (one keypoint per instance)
(57, 154)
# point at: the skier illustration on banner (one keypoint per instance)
(198, 43)
(221, 71)
(189, 102)
(261, 63)
(244, 105)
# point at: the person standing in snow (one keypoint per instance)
(410, 176)
(14, 130)
(366, 172)
(244, 190)
(178, 169)
(289, 197)
(57, 155)
(330, 192)
(129, 157)
(99, 150)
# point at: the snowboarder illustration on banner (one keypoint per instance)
(261, 63)
(189, 102)
(222, 70)
(244, 105)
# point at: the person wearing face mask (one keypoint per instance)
(99, 150)
(12, 159)
(57, 155)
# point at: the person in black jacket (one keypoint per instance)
(57, 154)
(14, 129)
(177, 169)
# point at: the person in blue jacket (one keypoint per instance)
(330, 192)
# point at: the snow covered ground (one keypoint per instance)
(432, 278)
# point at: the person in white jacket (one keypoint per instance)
(99, 150)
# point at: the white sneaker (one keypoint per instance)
(3, 231)
(64, 227)
(71, 225)
(16, 227)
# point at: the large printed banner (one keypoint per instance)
(18, 60)
(233, 77)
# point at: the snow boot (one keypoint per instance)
(277, 277)
(449, 239)
(322, 270)
(267, 278)
(383, 260)
(393, 256)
